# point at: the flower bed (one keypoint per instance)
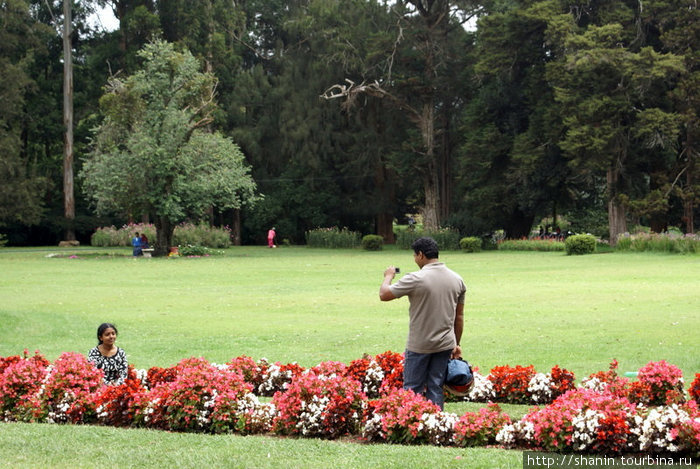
(606, 414)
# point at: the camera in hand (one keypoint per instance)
(397, 270)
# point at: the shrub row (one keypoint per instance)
(333, 237)
(548, 245)
(363, 399)
(655, 242)
(447, 238)
(184, 234)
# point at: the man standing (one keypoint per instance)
(436, 319)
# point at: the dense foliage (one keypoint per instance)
(481, 116)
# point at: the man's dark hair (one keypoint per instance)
(427, 246)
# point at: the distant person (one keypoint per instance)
(108, 357)
(144, 241)
(436, 319)
(136, 243)
(271, 238)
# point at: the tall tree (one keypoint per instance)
(603, 88)
(23, 187)
(152, 153)
(677, 24)
(511, 168)
(414, 70)
(68, 189)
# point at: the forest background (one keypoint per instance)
(479, 115)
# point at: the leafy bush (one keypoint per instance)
(447, 239)
(203, 235)
(3, 240)
(196, 251)
(659, 242)
(184, 234)
(480, 428)
(580, 244)
(372, 243)
(470, 244)
(530, 245)
(320, 403)
(332, 238)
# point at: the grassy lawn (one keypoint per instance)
(310, 305)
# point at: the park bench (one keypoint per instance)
(147, 252)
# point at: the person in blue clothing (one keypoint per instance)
(136, 243)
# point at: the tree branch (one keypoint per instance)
(351, 92)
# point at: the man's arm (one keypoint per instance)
(385, 293)
(459, 328)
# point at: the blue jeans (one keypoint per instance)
(424, 373)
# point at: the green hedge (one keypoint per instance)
(332, 238)
(184, 234)
(372, 242)
(530, 245)
(655, 242)
(470, 244)
(580, 244)
(447, 239)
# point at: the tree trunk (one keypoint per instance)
(164, 236)
(68, 191)
(616, 211)
(689, 201)
(385, 227)
(518, 224)
(236, 227)
(431, 207)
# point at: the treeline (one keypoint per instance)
(355, 113)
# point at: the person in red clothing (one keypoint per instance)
(271, 238)
(144, 241)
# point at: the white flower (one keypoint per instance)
(482, 390)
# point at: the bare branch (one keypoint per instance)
(351, 92)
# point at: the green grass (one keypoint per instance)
(310, 305)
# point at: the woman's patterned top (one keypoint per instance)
(115, 367)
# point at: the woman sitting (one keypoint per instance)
(108, 357)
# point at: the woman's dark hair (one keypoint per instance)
(427, 246)
(101, 330)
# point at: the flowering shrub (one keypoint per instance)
(480, 428)
(482, 389)
(377, 374)
(658, 428)
(687, 433)
(328, 401)
(252, 372)
(324, 405)
(277, 377)
(607, 381)
(511, 384)
(115, 405)
(391, 364)
(200, 398)
(185, 233)
(65, 393)
(581, 420)
(157, 375)
(438, 429)
(663, 382)
(398, 417)
(694, 390)
(20, 380)
(252, 415)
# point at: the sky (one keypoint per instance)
(104, 18)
